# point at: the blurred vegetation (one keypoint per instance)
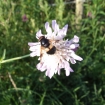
(22, 84)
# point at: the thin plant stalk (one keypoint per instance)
(16, 58)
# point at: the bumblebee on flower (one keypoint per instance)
(54, 52)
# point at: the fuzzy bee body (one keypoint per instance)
(47, 45)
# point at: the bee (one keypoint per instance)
(46, 45)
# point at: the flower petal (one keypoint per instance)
(55, 26)
(76, 39)
(72, 60)
(68, 68)
(33, 44)
(48, 28)
(76, 57)
(65, 29)
(35, 48)
(33, 54)
(39, 34)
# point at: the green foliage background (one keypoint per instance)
(86, 86)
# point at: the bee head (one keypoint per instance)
(44, 41)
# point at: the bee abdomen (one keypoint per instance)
(52, 50)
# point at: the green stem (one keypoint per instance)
(16, 58)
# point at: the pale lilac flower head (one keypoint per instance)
(65, 50)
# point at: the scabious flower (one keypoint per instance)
(65, 50)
